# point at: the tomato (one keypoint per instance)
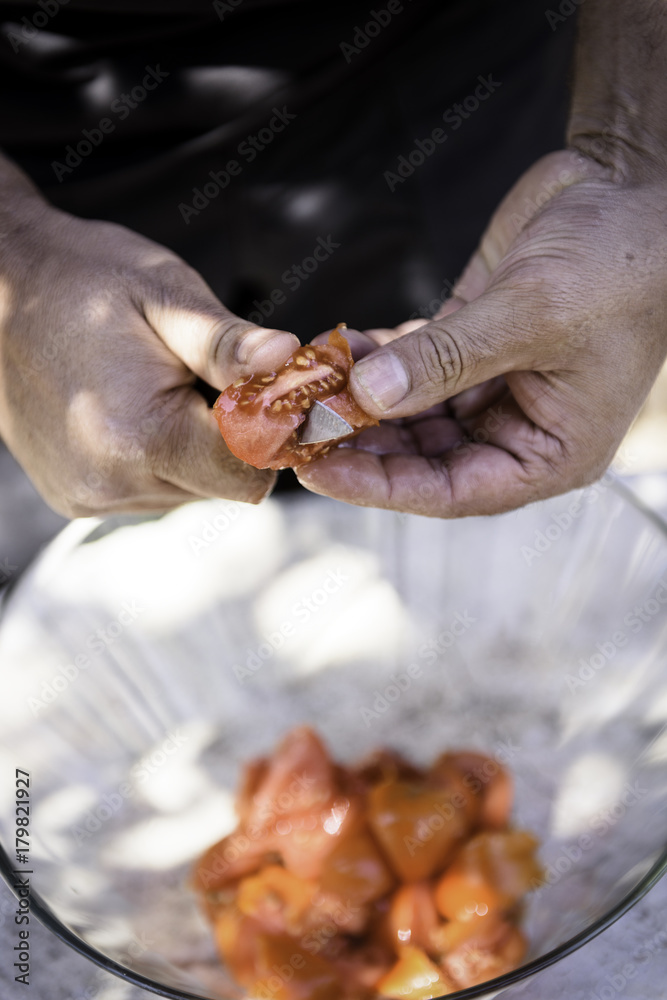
(259, 415)
(498, 949)
(487, 781)
(356, 871)
(286, 971)
(277, 899)
(418, 827)
(340, 881)
(412, 917)
(415, 977)
(490, 873)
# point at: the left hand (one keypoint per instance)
(527, 380)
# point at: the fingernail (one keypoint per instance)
(252, 346)
(384, 379)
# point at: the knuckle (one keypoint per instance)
(441, 358)
(225, 335)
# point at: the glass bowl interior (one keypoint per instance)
(143, 661)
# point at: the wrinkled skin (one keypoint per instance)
(525, 383)
(102, 333)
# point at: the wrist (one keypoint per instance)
(619, 106)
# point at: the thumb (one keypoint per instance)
(213, 342)
(444, 357)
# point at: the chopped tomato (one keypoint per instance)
(415, 977)
(343, 880)
(418, 827)
(412, 917)
(286, 971)
(487, 781)
(259, 415)
(231, 858)
(277, 899)
(356, 871)
(490, 873)
(486, 955)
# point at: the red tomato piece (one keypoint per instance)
(412, 917)
(287, 971)
(259, 415)
(356, 871)
(418, 827)
(483, 956)
(277, 899)
(491, 873)
(487, 782)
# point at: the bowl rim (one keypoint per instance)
(47, 917)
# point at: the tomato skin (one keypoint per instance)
(259, 415)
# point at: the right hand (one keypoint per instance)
(102, 334)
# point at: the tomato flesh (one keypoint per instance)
(259, 416)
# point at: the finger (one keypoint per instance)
(447, 356)
(474, 401)
(191, 454)
(428, 436)
(213, 342)
(512, 464)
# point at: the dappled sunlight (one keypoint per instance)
(592, 783)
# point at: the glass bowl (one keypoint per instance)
(144, 660)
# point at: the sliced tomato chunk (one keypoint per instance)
(412, 918)
(415, 977)
(498, 949)
(259, 415)
(491, 873)
(277, 899)
(418, 827)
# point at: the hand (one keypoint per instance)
(525, 384)
(101, 336)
